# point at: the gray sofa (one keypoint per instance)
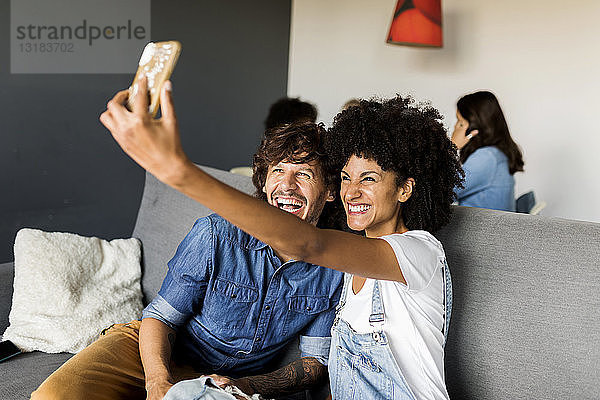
(526, 319)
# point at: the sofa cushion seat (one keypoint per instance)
(21, 375)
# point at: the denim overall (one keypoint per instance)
(361, 365)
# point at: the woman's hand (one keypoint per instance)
(153, 143)
(459, 136)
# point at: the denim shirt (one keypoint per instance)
(234, 304)
(488, 183)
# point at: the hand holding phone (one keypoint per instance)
(156, 64)
(463, 133)
(471, 131)
(153, 143)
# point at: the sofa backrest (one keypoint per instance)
(526, 316)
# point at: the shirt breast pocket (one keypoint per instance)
(230, 304)
(301, 310)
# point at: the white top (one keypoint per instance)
(414, 313)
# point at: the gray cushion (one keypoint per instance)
(526, 318)
(165, 217)
(22, 374)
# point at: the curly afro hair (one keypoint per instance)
(409, 139)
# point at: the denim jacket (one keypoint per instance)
(488, 182)
(234, 304)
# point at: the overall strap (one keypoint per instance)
(447, 298)
(342, 302)
(377, 317)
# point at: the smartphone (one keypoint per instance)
(8, 350)
(156, 63)
(470, 129)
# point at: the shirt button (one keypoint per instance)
(258, 339)
(267, 307)
(233, 295)
(308, 308)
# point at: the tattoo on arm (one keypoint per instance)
(301, 374)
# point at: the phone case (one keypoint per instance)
(156, 63)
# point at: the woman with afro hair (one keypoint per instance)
(398, 171)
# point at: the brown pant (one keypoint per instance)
(108, 369)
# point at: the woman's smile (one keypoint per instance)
(371, 197)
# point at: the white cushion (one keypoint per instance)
(68, 288)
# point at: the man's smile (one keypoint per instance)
(291, 204)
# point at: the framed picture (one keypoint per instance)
(417, 23)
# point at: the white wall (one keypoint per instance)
(540, 57)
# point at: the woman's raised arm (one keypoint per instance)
(155, 145)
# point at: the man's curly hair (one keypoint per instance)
(409, 139)
(299, 142)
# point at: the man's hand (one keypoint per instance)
(157, 389)
(153, 143)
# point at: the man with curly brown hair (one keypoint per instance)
(229, 303)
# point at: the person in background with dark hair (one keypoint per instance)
(398, 172)
(489, 155)
(283, 112)
(287, 110)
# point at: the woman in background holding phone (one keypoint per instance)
(489, 155)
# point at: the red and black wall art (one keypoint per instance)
(417, 23)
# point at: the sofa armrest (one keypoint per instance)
(7, 274)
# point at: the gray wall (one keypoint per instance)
(60, 169)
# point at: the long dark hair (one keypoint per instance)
(483, 112)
